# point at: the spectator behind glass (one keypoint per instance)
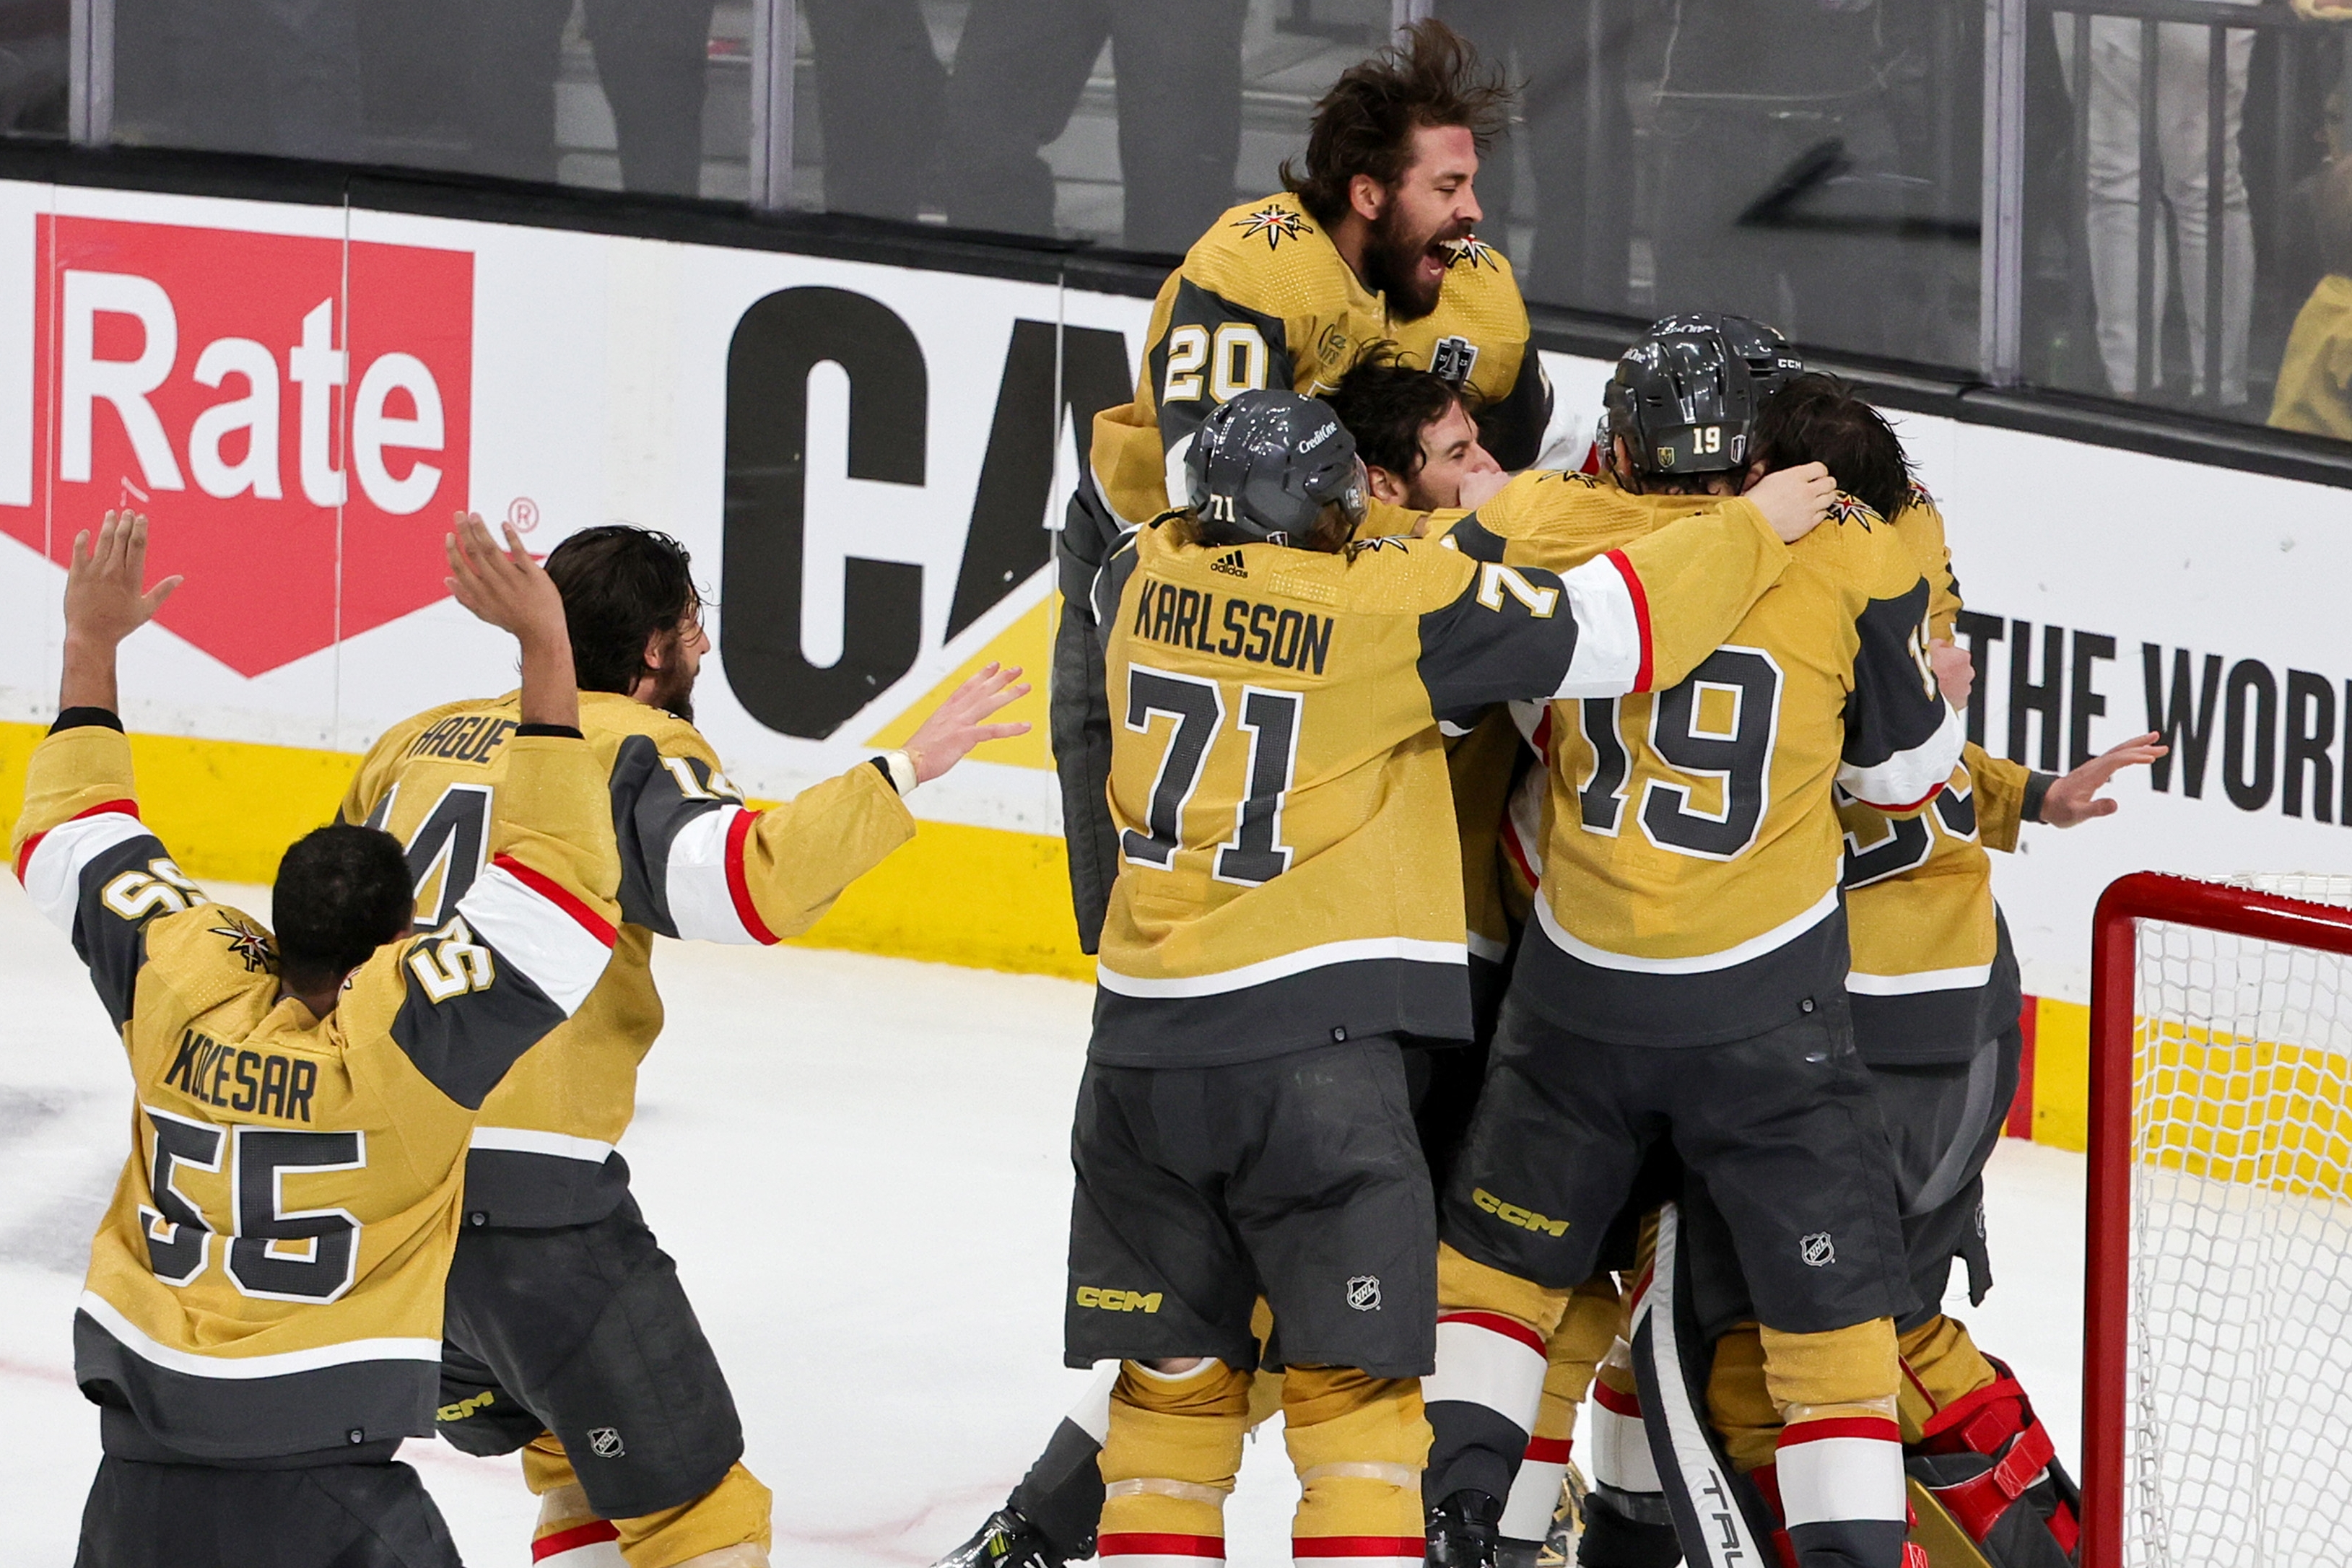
(2315, 377)
(878, 91)
(2112, 169)
(652, 57)
(1020, 68)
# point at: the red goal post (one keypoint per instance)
(2118, 1026)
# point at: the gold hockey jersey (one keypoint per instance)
(1691, 873)
(1264, 299)
(695, 863)
(1933, 977)
(268, 1280)
(1289, 874)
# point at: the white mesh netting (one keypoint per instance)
(2238, 1423)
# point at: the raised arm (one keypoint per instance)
(88, 864)
(700, 865)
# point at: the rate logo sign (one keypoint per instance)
(293, 415)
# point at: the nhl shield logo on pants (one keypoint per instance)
(1364, 1292)
(605, 1442)
(1817, 1250)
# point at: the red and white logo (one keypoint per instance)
(293, 415)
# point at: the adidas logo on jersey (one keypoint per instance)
(1230, 564)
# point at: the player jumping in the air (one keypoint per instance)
(569, 1336)
(1288, 907)
(1684, 980)
(259, 1328)
(1373, 241)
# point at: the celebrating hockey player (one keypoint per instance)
(1374, 240)
(1289, 906)
(569, 1336)
(1935, 994)
(1685, 981)
(1419, 447)
(258, 1329)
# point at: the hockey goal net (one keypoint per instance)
(2217, 1407)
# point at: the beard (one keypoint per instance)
(673, 687)
(1392, 263)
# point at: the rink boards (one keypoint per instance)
(300, 395)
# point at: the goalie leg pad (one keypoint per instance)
(1174, 1444)
(1941, 1364)
(1358, 1443)
(1986, 1454)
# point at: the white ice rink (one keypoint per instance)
(860, 1165)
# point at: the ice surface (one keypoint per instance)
(861, 1166)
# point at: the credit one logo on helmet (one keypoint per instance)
(291, 412)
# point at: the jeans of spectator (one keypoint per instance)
(1019, 72)
(280, 76)
(650, 59)
(2112, 208)
(879, 88)
(1580, 141)
(1716, 251)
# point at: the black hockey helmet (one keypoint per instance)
(1264, 465)
(1685, 394)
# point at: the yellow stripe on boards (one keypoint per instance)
(227, 809)
(980, 897)
(2061, 1074)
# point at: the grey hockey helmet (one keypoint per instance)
(1685, 395)
(1264, 465)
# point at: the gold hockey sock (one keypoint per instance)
(1737, 1402)
(1586, 1329)
(1168, 1465)
(1941, 1364)
(570, 1533)
(1836, 1479)
(1358, 1443)
(726, 1527)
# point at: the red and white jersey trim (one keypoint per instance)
(710, 897)
(50, 864)
(1485, 1358)
(1840, 1470)
(1909, 780)
(1612, 629)
(532, 924)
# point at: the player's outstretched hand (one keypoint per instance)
(504, 588)
(1956, 672)
(1794, 501)
(955, 726)
(103, 601)
(2074, 797)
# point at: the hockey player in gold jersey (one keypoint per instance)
(262, 1320)
(1683, 982)
(1374, 240)
(1934, 993)
(569, 1336)
(1289, 906)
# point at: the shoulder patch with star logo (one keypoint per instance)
(1845, 509)
(1366, 546)
(248, 944)
(1277, 223)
